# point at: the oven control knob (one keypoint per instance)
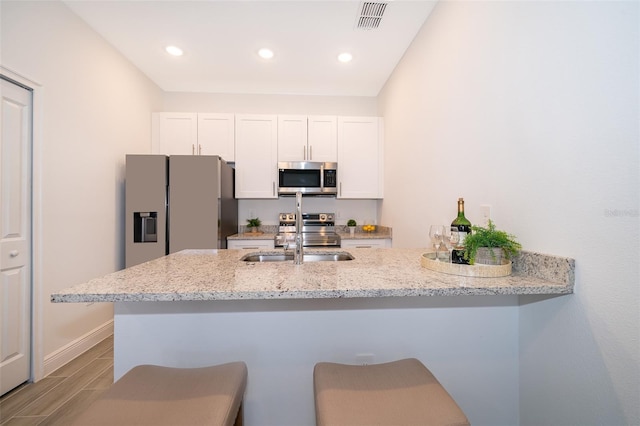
(323, 217)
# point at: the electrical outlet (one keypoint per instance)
(364, 359)
(485, 213)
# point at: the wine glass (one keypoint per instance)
(452, 237)
(436, 233)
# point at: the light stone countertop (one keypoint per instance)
(384, 272)
(268, 232)
(252, 236)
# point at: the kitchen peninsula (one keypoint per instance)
(204, 307)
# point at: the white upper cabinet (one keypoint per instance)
(174, 133)
(256, 156)
(360, 157)
(183, 133)
(292, 138)
(216, 135)
(257, 142)
(302, 138)
(323, 138)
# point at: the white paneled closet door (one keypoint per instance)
(15, 235)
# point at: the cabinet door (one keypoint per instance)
(322, 138)
(216, 135)
(366, 243)
(174, 133)
(256, 156)
(250, 244)
(360, 157)
(292, 138)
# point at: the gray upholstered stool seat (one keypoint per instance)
(396, 393)
(153, 395)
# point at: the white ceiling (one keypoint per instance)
(221, 39)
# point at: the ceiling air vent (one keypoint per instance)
(370, 15)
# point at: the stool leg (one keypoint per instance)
(239, 420)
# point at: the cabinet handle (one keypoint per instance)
(304, 153)
(363, 246)
(274, 188)
(250, 248)
(340, 189)
(310, 152)
(14, 253)
(193, 149)
(199, 149)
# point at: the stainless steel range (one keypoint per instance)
(318, 230)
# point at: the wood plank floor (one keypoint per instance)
(59, 397)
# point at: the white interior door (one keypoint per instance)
(15, 235)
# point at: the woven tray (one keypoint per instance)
(427, 260)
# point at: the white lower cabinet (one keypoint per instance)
(366, 243)
(250, 244)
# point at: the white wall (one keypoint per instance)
(533, 107)
(95, 108)
(267, 210)
(269, 104)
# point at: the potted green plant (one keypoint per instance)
(488, 245)
(351, 223)
(254, 224)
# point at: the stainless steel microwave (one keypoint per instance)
(308, 177)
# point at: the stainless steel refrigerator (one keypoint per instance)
(175, 203)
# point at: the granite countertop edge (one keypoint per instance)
(195, 275)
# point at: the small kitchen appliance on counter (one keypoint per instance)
(318, 230)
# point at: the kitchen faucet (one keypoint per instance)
(298, 254)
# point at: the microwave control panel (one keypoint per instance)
(330, 179)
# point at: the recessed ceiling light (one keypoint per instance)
(174, 50)
(345, 57)
(265, 53)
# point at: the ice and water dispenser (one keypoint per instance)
(145, 227)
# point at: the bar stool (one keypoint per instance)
(396, 393)
(154, 395)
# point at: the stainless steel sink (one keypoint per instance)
(308, 257)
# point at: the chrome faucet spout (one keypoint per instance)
(298, 254)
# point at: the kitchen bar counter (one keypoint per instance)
(195, 314)
(199, 275)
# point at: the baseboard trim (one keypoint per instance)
(69, 352)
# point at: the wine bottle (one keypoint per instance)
(463, 226)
